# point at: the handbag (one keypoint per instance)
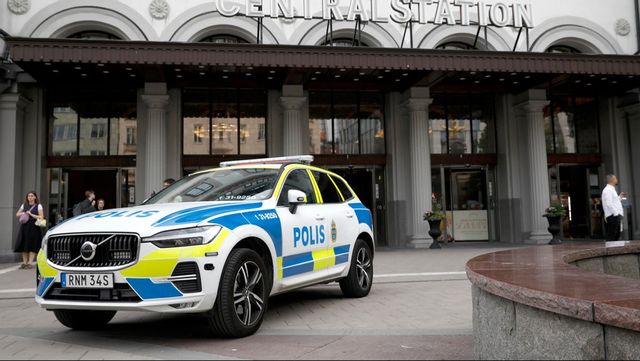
(41, 222)
(24, 217)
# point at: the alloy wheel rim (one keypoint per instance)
(248, 293)
(363, 267)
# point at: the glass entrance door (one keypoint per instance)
(466, 194)
(67, 187)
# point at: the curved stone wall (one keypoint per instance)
(578, 301)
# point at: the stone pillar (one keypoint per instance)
(156, 101)
(420, 157)
(530, 106)
(12, 113)
(292, 101)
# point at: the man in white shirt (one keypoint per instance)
(612, 206)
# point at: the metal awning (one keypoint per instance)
(35, 50)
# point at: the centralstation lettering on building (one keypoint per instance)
(451, 12)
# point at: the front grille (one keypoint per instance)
(121, 292)
(119, 250)
(187, 269)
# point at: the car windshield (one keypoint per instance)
(220, 185)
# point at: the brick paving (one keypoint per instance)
(415, 315)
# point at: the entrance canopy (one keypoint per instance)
(50, 60)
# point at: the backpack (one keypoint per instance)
(77, 209)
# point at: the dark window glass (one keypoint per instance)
(224, 39)
(195, 120)
(586, 120)
(462, 124)
(320, 123)
(94, 35)
(64, 126)
(299, 180)
(344, 190)
(371, 123)
(571, 125)
(328, 191)
(456, 45)
(346, 123)
(92, 123)
(224, 122)
(345, 42)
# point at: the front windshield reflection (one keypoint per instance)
(220, 185)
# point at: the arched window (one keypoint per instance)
(224, 39)
(344, 42)
(565, 49)
(94, 35)
(456, 45)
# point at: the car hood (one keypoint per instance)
(150, 219)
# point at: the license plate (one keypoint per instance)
(87, 280)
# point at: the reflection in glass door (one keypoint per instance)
(467, 198)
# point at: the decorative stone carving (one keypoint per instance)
(19, 7)
(159, 9)
(623, 27)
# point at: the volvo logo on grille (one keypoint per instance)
(88, 251)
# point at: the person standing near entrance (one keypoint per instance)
(29, 236)
(612, 206)
(88, 205)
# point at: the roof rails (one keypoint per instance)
(304, 159)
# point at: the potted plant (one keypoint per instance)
(434, 218)
(554, 215)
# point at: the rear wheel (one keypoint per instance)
(242, 295)
(83, 319)
(358, 282)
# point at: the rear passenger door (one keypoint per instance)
(343, 224)
(304, 233)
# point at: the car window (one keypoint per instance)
(221, 185)
(328, 191)
(344, 190)
(298, 179)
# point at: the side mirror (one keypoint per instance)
(295, 198)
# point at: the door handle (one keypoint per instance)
(320, 218)
(350, 214)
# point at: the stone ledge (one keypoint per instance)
(542, 278)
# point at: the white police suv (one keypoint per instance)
(218, 242)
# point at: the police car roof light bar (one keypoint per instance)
(305, 159)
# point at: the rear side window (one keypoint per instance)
(327, 189)
(342, 186)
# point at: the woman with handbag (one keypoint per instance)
(29, 236)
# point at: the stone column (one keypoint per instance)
(420, 157)
(155, 138)
(293, 139)
(531, 111)
(12, 113)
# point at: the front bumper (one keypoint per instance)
(151, 284)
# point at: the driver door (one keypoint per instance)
(304, 233)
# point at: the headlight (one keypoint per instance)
(43, 245)
(184, 237)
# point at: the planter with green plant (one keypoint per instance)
(435, 218)
(554, 215)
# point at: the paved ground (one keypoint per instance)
(419, 308)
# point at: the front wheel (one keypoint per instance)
(358, 282)
(84, 320)
(242, 295)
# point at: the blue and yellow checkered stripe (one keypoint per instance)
(312, 261)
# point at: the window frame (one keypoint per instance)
(286, 178)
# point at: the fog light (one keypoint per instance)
(182, 306)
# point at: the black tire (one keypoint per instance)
(83, 319)
(358, 282)
(238, 291)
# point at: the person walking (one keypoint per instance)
(612, 205)
(88, 205)
(29, 236)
